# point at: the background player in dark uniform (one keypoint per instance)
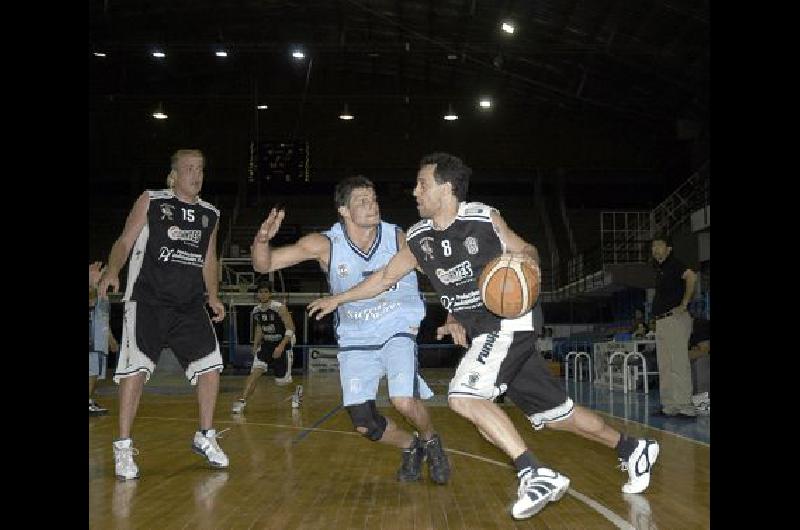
(452, 244)
(173, 234)
(274, 331)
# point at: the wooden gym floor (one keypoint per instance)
(306, 468)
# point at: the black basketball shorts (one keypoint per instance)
(187, 331)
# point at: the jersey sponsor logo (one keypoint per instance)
(204, 221)
(473, 211)
(425, 245)
(462, 302)
(342, 270)
(372, 313)
(471, 244)
(164, 254)
(462, 271)
(166, 211)
(179, 256)
(472, 380)
(191, 236)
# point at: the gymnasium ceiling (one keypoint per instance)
(598, 86)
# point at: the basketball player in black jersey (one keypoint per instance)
(451, 245)
(274, 331)
(173, 234)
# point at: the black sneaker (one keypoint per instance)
(411, 468)
(438, 465)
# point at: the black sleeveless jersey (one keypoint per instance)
(454, 258)
(166, 265)
(270, 321)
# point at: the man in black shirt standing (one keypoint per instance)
(675, 284)
(173, 236)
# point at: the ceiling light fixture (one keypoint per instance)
(159, 112)
(508, 27)
(451, 115)
(345, 115)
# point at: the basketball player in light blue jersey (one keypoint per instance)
(377, 336)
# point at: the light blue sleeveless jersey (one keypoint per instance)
(369, 323)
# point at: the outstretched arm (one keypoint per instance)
(265, 258)
(401, 264)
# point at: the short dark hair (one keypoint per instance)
(450, 169)
(341, 196)
(264, 284)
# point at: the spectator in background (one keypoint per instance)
(639, 329)
(700, 359)
(675, 283)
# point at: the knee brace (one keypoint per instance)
(366, 415)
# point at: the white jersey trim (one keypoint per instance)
(420, 227)
(474, 211)
(136, 261)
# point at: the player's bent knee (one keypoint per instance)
(367, 421)
(460, 405)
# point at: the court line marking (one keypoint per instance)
(300, 437)
(612, 517)
(625, 420)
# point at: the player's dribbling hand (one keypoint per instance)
(455, 330)
(270, 226)
(218, 308)
(322, 306)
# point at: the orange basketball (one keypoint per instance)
(509, 285)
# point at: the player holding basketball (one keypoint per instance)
(451, 245)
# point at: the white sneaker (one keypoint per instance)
(536, 489)
(208, 447)
(285, 380)
(238, 406)
(639, 465)
(124, 466)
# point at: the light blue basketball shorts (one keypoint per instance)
(360, 371)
